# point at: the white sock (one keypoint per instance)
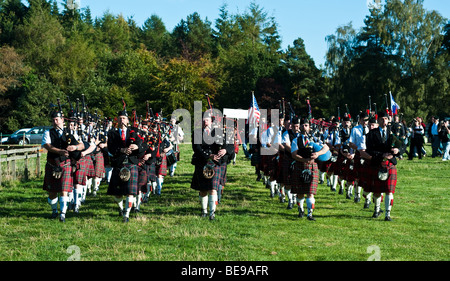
(84, 192)
(78, 193)
(89, 184)
(128, 205)
(282, 192)
(138, 200)
(53, 203)
(63, 202)
(212, 200)
(289, 195)
(272, 186)
(108, 173)
(388, 202)
(97, 183)
(119, 202)
(310, 201)
(159, 183)
(204, 203)
(377, 201)
(154, 187)
(300, 202)
(334, 181)
(358, 190)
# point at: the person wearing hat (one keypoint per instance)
(208, 157)
(176, 137)
(380, 147)
(333, 142)
(125, 146)
(435, 140)
(58, 177)
(305, 175)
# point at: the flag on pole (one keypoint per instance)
(253, 112)
(394, 106)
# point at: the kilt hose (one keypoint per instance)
(199, 182)
(63, 184)
(99, 165)
(119, 188)
(81, 172)
(90, 169)
(387, 186)
(297, 185)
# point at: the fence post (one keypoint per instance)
(38, 163)
(26, 167)
(13, 167)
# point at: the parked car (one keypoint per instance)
(34, 136)
(17, 136)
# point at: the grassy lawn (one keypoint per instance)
(249, 225)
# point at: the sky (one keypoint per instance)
(311, 20)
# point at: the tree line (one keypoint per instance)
(48, 52)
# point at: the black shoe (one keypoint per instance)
(204, 215)
(376, 214)
(258, 178)
(341, 191)
(271, 195)
(366, 204)
(212, 217)
(357, 199)
(125, 219)
(62, 218)
(282, 200)
(289, 206)
(310, 218)
(348, 196)
(387, 218)
(54, 214)
(320, 181)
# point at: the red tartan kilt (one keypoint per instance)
(387, 186)
(347, 173)
(285, 164)
(99, 165)
(81, 172)
(297, 186)
(90, 169)
(63, 184)
(161, 170)
(365, 175)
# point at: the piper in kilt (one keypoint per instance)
(125, 146)
(208, 157)
(58, 170)
(305, 174)
(380, 146)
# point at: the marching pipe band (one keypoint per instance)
(133, 154)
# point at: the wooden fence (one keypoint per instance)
(20, 163)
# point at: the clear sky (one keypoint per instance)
(311, 20)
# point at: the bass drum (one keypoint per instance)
(324, 157)
(171, 158)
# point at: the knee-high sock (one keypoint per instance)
(53, 203)
(138, 200)
(334, 181)
(97, 183)
(310, 202)
(289, 195)
(154, 187)
(358, 190)
(300, 202)
(108, 173)
(219, 192)
(119, 201)
(63, 202)
(377, 201)
(128, 205)
(204, 203)
(272, 186)
(389, 201)
(367, 195)
(77, 195)
(89, 184)
(159, 183)
(212, 201)
(282, 191)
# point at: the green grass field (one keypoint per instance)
(249, 225)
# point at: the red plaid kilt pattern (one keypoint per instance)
(349, 174)
(200, 183)
(119, 188)
(80, 172)
(223, 173)
(90, 169)
(65, 183)
(297, 186)
(99, 165)
(161, 170)
(388, 186)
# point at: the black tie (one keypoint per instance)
(384, 136)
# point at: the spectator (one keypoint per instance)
(444, 133)
(416, 139)
(435, 141)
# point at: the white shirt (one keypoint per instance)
(46, 137)
(358, 138)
